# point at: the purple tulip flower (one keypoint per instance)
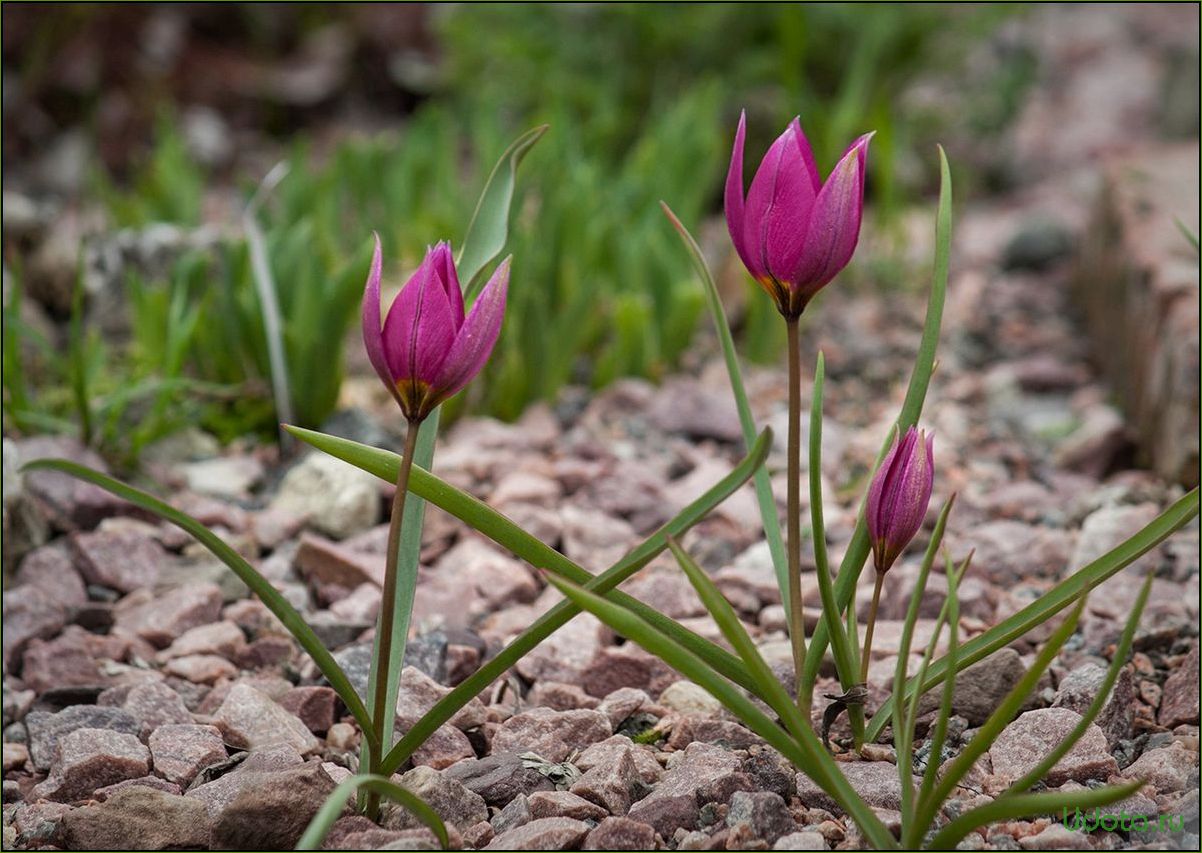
(899, 494)
(793, 232)
(427, 350)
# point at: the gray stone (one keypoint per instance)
(498, 778)
(980, 687)
(550, 833)
(46, 729)
(419, 693)
(689, 698)
(515, 813)
(138, 818)
(673, 803)
(764, 812)
(159, 618)
(1168, 769)
(455, 804)
(180, 752)
(274, 812)
(249, 719)
(121, 560)
(88, 759)
(620, 833)
(805, 840)
(563, 804)
(154, 704)
(29, 613)
(552, 734)
(614, 784)
(1179, 702)
(62, 663)
(1025, 742)
(875, 781)
(339, 499)
(1079, 688)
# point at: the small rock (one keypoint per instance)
(313, 706)
(138, 818)
(159, 618)
(614, 784)
(564, 804)
(980, 687)
(690, 699)
(552, 734)
(343, 737)
(30, 613)
(447, 746)
(250, 720)
(1025, 742)
(339, 499)
(321, 561)
(764, 812)
(274, 812)
(1037, 245)
(120, 560)
(623, 702)
(611, 749)
(46, 729)
(1168, 769)
(1056, 837)
(249, 770)
(223, 476)
(559, 696)
(1079, 688)
(15, 755)
(515, 813)
(154, 783)
(673, 803)
(686, 406)
(155, 704)
(498, 778)
(70, 503)
(65, 661)
(222, 638)
(565, 654)
(550, 833)
(804, 840)
(201, 669)
(455, 804)
(88, 759)
(419, 693)
(875, 781)
(620, 833)
(182, 751)
(1179, 702)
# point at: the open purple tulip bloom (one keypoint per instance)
(898, 496)
(793, 232)
(427, 350)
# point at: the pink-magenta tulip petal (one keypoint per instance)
(418, 329)
(734, 196)
(834, 226)
(899, 495)
(477, 337)
(444, 264)
(797, 186)
(760, 200)
(373, 333)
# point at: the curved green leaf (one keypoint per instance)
(489, 228)
(331, 809)
(920, 380)
(258, 584)
(763, 484)
(1054, 600)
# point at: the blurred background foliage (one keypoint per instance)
(389, 118)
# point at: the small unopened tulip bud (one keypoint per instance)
(899, 495)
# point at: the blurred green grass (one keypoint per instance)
(642, 103)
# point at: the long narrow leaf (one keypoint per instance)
(1054, 600)
(1028, 805)
(259, 585)
(489, 228)
(763, 484)
(561, 613)
(1099, 702)
(939, 736)
(331, 809)
(505, 533)
(832, 781)
(846, 664)
(920, 380)
(1006, 711)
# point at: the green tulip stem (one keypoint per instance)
(381, 717)
(872, 608)
(793, 511)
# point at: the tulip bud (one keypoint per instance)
(793, 232)
(898, 497)
(427, 350)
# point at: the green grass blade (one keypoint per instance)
(504, 532)
(902, 732)
(846, 663)
(1189, 235)
(1028, 805)
(1006, 711)
(770, 689)
(408, 555)
(920, 380)
(331, 809)
(259, 585)
(558, 616)
(1055, 599)
(939, 737)
(821, 769)
(78, 351)
(489, 228)
(1095, 707)
(763, 484)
